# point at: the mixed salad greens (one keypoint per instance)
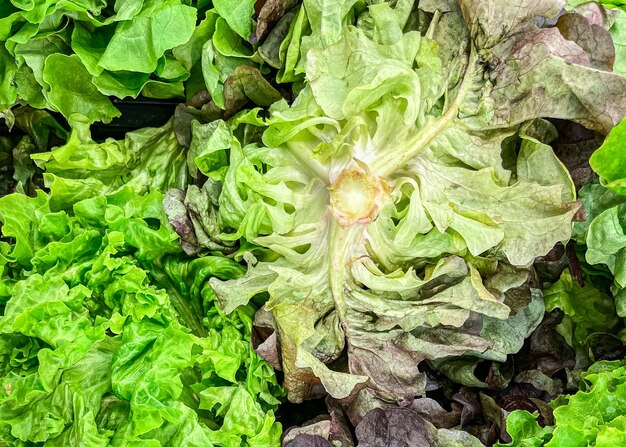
(366, 223)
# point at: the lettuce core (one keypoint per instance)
(355, 196)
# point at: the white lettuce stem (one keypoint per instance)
(341, 248)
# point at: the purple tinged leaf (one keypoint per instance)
(397, 427)
(433, 412)
(305, 440)
(593, 39)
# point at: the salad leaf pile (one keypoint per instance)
(109, 334)
(73, 56)
(397, 206)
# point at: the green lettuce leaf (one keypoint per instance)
(604, 231)
(592, 416)
(587, 310)
(145, 160)
(608, 161)
(8, 92)
(525, 431)
(159, 49)
(108, 336)
(606, 241)
(238, 15)
(138, 44)
(596, 199)
(118, 51)
(618, 33)
(315, 24)
(230, 64)
(64, 95)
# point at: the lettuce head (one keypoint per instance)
(397, 204)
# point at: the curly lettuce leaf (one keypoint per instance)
(405, 192)
(70, 57)
(587, 309)
(525, 431)
(592, 416)
(108, 336)
(146, 159)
